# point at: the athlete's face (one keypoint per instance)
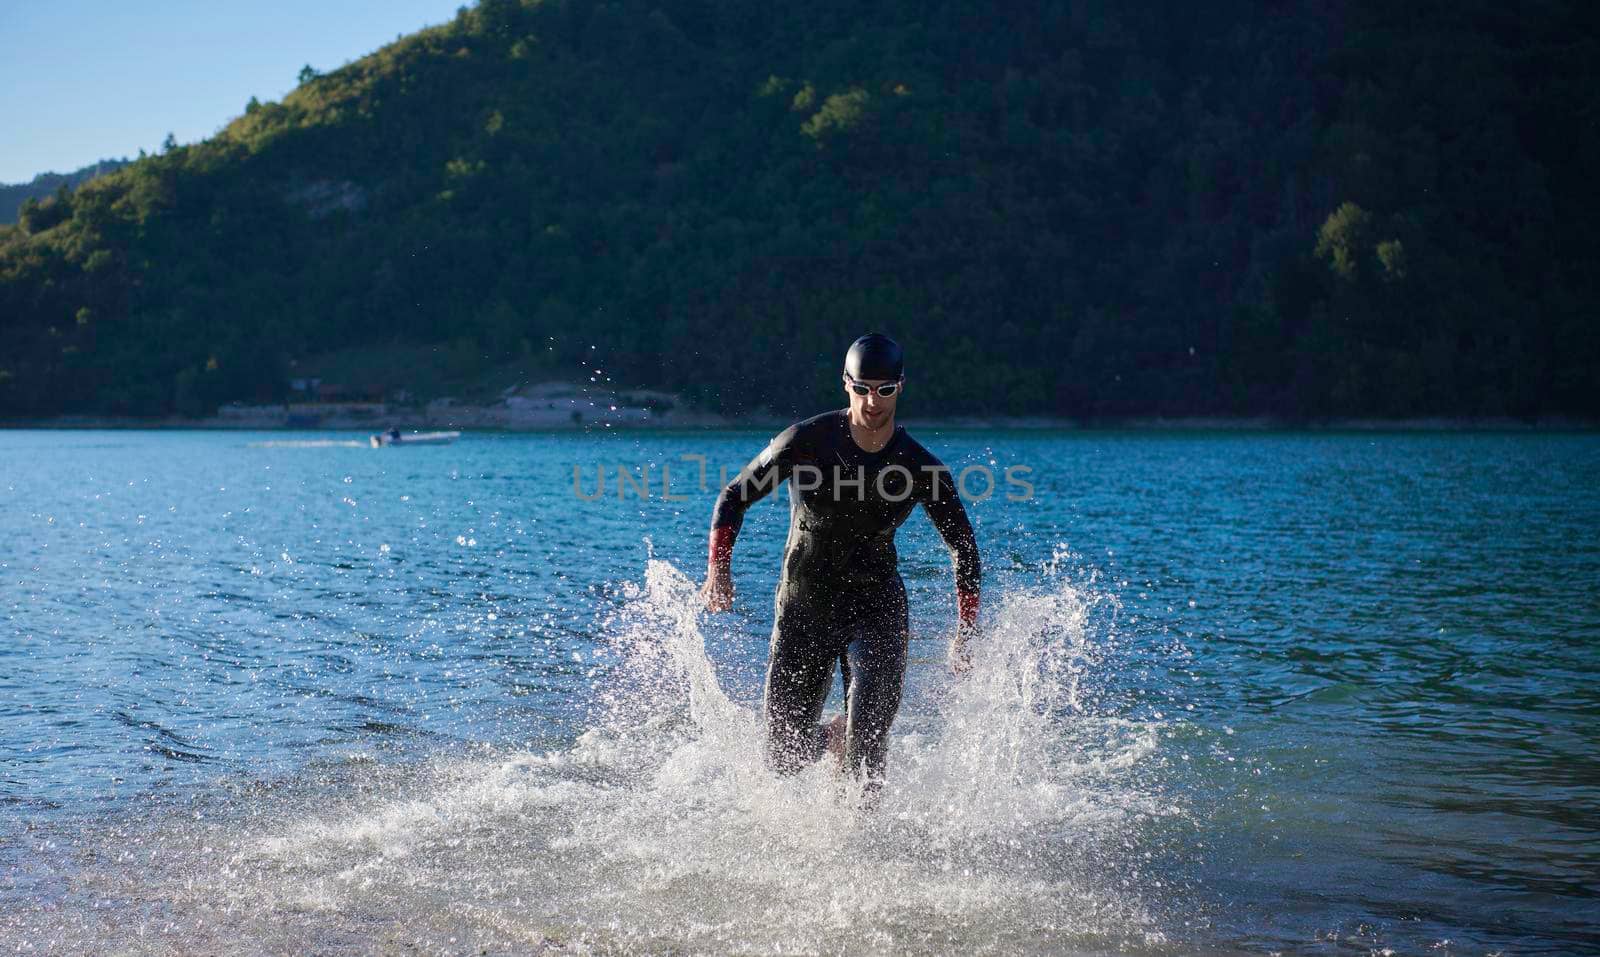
(872, 410)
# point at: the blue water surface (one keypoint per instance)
(1372, 657)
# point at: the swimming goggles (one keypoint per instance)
(884, 391)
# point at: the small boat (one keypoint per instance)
(396, 437)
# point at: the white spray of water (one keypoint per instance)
(1010, 822)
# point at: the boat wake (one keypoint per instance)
(1015, 819)
(310, 444)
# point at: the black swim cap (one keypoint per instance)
(874, 356)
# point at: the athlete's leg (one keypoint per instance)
(799, 675)
(875, 668)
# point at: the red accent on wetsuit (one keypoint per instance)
(967, 605)
(722, 546)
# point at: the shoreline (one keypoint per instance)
(488, 419)
(568, 407)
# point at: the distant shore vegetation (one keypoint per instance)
(1083, 208)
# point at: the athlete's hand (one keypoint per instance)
(718, 589)
(960, 653)
(966, 627)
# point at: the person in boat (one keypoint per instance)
(854, 476)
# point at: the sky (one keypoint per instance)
(84, 80)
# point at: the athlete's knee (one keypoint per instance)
(874, 699)
(790, 747)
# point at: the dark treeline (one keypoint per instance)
(45, 185)
(1084, 208)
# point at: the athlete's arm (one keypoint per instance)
(949, 516)
(764, 473)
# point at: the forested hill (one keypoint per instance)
(1086, 208)
(13, 195)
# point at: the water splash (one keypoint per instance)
(1013, 820)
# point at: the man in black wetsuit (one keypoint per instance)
(854, 477)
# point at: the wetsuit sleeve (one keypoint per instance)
(949, 516)
(765, 472)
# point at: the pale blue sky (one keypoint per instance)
(82, 80)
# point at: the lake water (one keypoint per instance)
(1236, 693)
